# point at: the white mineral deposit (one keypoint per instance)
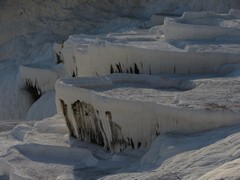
(127, 89)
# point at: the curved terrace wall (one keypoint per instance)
(118, 124)
(102, 59)
(202, 26)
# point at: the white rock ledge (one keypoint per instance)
(202, 25)
(141, 53)
(107, 111)
(41, 78)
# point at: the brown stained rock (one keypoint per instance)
(88, 124)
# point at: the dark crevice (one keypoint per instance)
(132, 144)
(73, 74)
(119, 68)
(111, 69)
(33, 90)
(139, 144)
(136, 70)
(59, 60)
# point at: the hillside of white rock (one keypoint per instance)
(130, 89)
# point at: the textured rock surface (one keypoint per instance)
(124, 110)
(28, 30)
(141, 52)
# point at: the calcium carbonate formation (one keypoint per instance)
(129, 109)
